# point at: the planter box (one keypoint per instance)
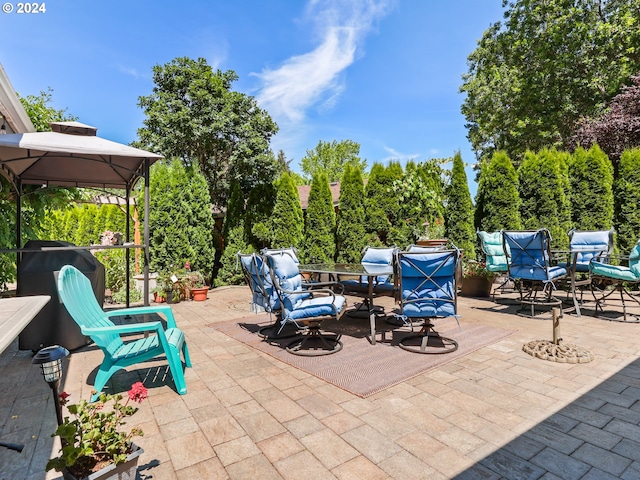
(123, 471)
(476, 287)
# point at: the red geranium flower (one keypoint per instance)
(63, 397)
(138, 392)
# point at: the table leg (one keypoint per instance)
(372, 312)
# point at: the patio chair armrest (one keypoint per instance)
(163, 309)
(120, 329)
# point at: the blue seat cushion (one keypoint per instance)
(317, 307)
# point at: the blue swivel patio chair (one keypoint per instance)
(624, 279)
(585, 245)
(304, 308)
(428, 290)
(263, 296)
(495, 258)
(529, 260)
(77, 296)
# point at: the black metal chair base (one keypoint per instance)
(627, 317)
(362, 310)
(533, 301)
(429, 343)
(274, 331)
(315, 344)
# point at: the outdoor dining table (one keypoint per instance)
(354, 269)
(571, 257)
(15, 314)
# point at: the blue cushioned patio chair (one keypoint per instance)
(263, 296)
(622, 278)
(585, 245)
(492, 245)
(428, 290)
(529, 260)
(304, 308)
(77, 296)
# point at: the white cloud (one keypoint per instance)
(399, 156)
(132, 72)
(317, 77)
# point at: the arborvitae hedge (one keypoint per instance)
(591, 180)
(459, 210)
(350, 231)
(180, 219)
(381, 207)
(544, 187)
(286, 225)
(627, 200)
(259, 210)
(497, 198)
(319, 245)
(234, 215)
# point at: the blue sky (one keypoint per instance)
(383, 73)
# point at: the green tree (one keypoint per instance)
(627, 200)
(350, 231)
(544, 187)
(332, 157)
(84, 234)
(286, 223)
(497, 198)
(234, 240)
(194, 115)
(41, 113)
(591, 180)
(180, 220)
(459, 211)
(382, 208)
(551, 62)
(258, 211)
(319, 244)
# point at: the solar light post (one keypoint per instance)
(50, 359)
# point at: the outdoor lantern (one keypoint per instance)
(50, 359)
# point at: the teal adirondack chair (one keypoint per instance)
(77, 296)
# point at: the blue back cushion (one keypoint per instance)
(634, 260)
(428, 285)
(529, 254)
(286, 271)
(373, 257)
(493, 249)
(589, 244)
(260, 281)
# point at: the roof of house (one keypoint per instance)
(303, 192)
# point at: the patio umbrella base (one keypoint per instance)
(557, 352)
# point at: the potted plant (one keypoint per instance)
(477, 279)
(93, 446)
(195, 284)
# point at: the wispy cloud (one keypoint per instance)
(399, 156)
(132, 72)
(316, 77)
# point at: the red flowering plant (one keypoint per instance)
(91, 438)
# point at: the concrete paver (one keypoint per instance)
(494, 413)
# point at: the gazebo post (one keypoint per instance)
(126, 235)
(146, 232)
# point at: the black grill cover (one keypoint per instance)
(37, 276)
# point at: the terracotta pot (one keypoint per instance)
(122, 471)
(199, 294)
(158, 299)
(476, 287)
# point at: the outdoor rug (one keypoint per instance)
(361, 368)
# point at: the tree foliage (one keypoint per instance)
(627, 200)
(497, 198)
(180, 220)
(618, 128)
(286, 225)
(459, 211)
(41, 113)
(258, 211)
(591, 193)
(382, 208)
(350, 230)
(194, 115)
(544, 187)
(319, 244)
(332, 157)
(532, 77)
